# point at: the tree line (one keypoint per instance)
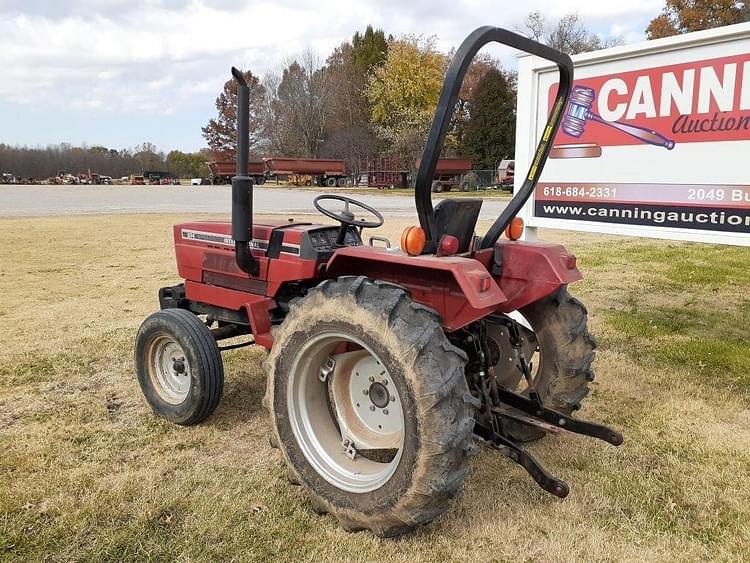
(376, 95)
(40, 163)
(373, 95)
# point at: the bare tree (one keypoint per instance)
(345, 89)
(357, 145)
(296, 114)
(274, 134)
(568, 34)
(534, 27)
(149, 157)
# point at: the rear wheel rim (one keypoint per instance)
(508, 371)
(168, 369)
(350, 397)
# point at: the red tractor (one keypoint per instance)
(386, 368)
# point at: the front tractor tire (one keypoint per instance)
(179, 366)
(370, 405)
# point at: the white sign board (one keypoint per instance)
(655, 140)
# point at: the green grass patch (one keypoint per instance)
(676, 266)
(716, 361)
(713, 345)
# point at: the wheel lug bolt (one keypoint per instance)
(371, 378)
(385, 382)
(372, 407)
(393, 399)
(385, 411)
(366, 391)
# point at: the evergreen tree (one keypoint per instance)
(491, 130)
(369, 50)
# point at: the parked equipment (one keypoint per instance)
(308, 171)
(387, 172)
(448, 173)
(386, 368)
(159, 178)
(506, 171)
(222, 171)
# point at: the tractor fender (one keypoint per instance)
(459, 288)
(530, 271)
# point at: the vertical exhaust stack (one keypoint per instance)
(242, 184)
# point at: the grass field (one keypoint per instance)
(88, 473)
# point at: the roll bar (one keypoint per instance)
(453, 80)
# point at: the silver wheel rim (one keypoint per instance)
(345, 413)
(169, 369)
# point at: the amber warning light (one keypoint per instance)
(515, 229)
(413, 240)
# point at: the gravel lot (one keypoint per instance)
(28, 201)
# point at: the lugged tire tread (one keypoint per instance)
(451, 417)
(208, 354)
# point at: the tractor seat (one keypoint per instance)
(458, 218)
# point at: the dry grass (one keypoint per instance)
(88, 473)
(409, 192)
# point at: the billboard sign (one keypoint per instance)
(655, 140)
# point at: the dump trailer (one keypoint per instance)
(448, 173)
(222, 171)
(308, 171)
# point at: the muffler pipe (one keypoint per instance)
(242, 184)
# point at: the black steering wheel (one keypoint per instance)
(346, 217)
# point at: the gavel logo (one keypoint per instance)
(579, 112)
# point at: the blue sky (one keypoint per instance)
(118, 72)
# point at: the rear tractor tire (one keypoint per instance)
(370, 405)
(562, 363)
(179, 366)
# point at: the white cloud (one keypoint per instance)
(161, 56)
